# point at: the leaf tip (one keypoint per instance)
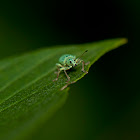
(124, 40)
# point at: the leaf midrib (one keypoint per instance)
(24, 89)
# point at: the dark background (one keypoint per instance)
(105, 104)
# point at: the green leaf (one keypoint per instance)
(28, 95)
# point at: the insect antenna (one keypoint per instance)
(83, 54)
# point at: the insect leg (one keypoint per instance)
(87, 63)
(67, 76)
(83, 64)
(57, 75)
(67, 85)
(58, 72)
(59, 65)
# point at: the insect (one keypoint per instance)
(67, 62)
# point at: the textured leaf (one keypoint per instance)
(28, 95)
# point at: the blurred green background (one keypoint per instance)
(105, 104)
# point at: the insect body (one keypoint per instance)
(67, 62)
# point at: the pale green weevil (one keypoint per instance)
(67, 62)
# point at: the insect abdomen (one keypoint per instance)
(64, 57)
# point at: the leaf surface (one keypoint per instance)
(28, 95)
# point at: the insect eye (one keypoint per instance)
(70, 61)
